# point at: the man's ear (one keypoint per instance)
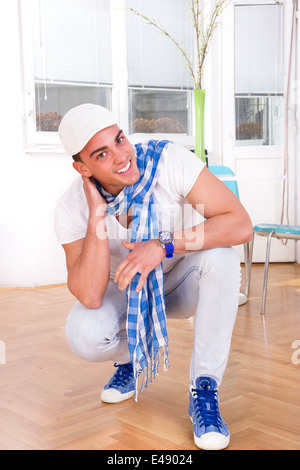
(82, 169)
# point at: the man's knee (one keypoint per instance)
(221, 264)
(85, 335)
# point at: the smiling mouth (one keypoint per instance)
(124, 169)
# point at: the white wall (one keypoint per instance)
(30, 184)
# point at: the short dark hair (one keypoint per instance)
(77, 158)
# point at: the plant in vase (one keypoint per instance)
(204, 26)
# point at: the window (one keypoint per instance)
(78, 51)
(258, 73)
(159, 111)
(159, 96)
(64, 73)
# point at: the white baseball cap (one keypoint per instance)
(80, 124)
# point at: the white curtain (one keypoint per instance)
(153, 60)
(72, 41)
(259, 49)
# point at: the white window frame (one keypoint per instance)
(49, 142)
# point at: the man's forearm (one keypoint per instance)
(219, 231)
(89, 276)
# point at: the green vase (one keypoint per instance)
(199, 100)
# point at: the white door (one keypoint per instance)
(255, 57)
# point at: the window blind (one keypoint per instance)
(153, 60)
(259, 49)
(72, 41)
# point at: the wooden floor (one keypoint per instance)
(50, 399)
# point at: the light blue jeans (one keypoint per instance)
(205, 284)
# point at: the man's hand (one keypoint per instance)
(96, 203)
(144, 257)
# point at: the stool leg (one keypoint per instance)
(246, 256)
(264, 294)
(249, 265)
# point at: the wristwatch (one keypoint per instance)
(166, 240)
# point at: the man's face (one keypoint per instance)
(110, 159)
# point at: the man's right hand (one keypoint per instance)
(96, 203)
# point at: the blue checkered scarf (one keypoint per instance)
(146, 319)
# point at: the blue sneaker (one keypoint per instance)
(210, 431)
(121, 386)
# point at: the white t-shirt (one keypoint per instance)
(178, 172)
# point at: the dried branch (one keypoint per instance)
(157, 24)
(203, 31)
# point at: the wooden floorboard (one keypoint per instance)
(50, 399)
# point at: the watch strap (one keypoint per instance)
(169, 247)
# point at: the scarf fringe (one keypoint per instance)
(143, 374)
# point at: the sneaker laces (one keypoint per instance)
(207, 407)
(122, 376)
